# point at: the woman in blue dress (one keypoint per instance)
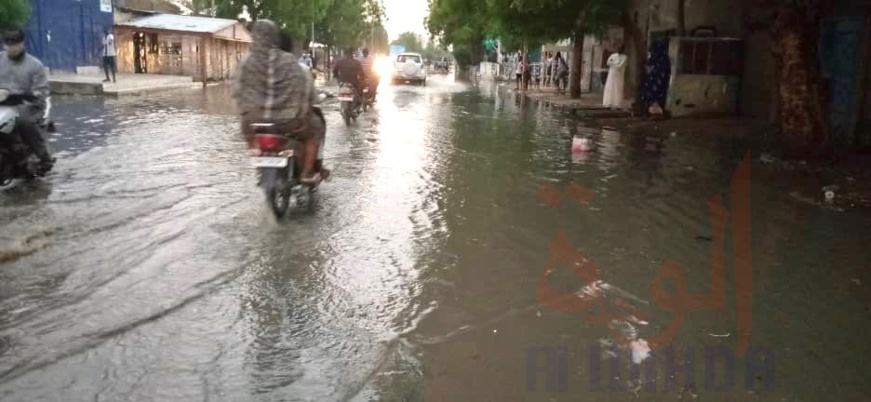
(655, 89)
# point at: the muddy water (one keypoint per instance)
(148, 267)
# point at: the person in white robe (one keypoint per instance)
(613, 97)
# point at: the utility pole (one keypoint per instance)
(311, 46)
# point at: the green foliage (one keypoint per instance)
(435, 52)
(14, 13)
(517, 22)
(337, 22)
(461, 24)
(199, 7)
(428, 50)
(376, 39)
(410, 41)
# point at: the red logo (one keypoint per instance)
(680, 302)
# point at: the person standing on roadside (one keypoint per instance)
(109, 55)
(562, 73)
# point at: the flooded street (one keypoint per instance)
(148, 266)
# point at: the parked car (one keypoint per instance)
(408, 68)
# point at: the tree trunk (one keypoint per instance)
(681, 18)
(524, 59)
(328, 65)
(577, 64)
(634, 33)
(803, 117)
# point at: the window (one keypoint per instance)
(407, 58)
(710, 57)
(153, 44)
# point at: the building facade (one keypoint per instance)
(206, 49)
(66, 34)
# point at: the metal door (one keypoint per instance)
(841, 51)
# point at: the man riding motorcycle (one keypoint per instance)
(286, 44)
(23, 74)
(349, 71)
(370, 77)
(271, 87)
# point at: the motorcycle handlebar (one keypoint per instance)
(17, 99)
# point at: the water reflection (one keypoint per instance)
(82, 124)
(159, 274)
(609, 148)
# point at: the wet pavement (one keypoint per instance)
(148, 267)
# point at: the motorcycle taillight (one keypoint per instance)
(270, 142)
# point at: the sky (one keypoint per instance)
(405, 15)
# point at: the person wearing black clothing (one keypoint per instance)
(24, 75)
(349, 71)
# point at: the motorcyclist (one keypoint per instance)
(349, 71)
(286, 44)
(370, 77)
(271, 87)
(23, 74)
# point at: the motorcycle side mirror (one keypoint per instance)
(3, 95)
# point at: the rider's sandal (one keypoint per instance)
(311, 180)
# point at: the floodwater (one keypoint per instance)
(149, 268)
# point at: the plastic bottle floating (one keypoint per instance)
(582, 144)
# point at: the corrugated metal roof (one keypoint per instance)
(180, 23)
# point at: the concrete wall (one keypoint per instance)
(758, 87)
(699, 94)
(702, 94)
(661, 15)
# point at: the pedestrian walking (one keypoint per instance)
(109, 55)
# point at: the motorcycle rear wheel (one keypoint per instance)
(346, 113)
(279, 200)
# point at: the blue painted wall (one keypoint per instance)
(66, 34)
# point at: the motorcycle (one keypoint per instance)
(276, 162)
(348, 103)
(368, 98)
(17, 161)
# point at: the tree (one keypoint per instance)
(523, 22)
(376, 39)
(13, 14)
(409, 41)
(520, 24)
(344, 24)
(435, 52)
(257, 9)
(200, 7)
(460, 24)
(795, 26)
